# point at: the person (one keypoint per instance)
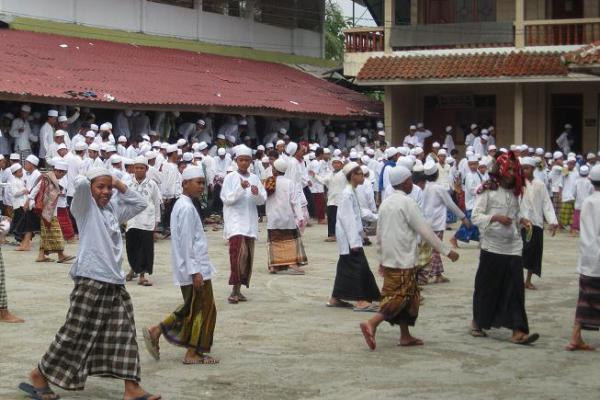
(21, 133)
(170, 186)
(98, 336)
(316, 167)
(353, 279)
(472, 182)
(335, 183)
(566, 140)
(570, 176)
(18, 196)
(43, 201)
(538, 206)
(5, 314)
(192, 324)
(284, 215)
(31, 221)
(587, 313)
(139, 236)
(241, 193)
(297, 174)
(399, 225)
(499, 296)
(583, 189)
(449, 139)
(436, 203)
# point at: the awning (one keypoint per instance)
(47, 68)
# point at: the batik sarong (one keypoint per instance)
(400, 296)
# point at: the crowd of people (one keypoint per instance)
(101, 184)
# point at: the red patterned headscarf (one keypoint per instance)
(507, 165)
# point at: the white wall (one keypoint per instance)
(162, 19)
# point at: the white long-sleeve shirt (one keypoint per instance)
(22, 139)
(283, 207)
(18, 192)
(537, 204)
(495, 237)
(335, 182)
(100, 252)
(589, 240)
(316, 166)
(436, 203)
(583, 189)
(297, 173)
(150, 217)
(170, 181)
(399, 229)
(568, 192)
(189, 248)
(239, 205)
(472, 182)
(348, 225)
(449, 143)
(74, 162)
(46, 138)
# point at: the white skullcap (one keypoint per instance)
(595, 173)
(406, 162)
(280, 142)
(584, 170)
(187, 157)
(539, 151)
(326, 150)
(472, 158)
(156, 144)
(311, 156)
(571, 159)
(33, 159)
(243, 122)
(283, 131)
(62, 118)
(531, 150)
(370, 152)
(492, 147)
(381, 133)
(528, 161)
(269, 145)
(557, 155)
(412, 127)
(202, 146)
(379, 125)
(146, 137)
(171, 148)
(96, 172)
(111, 148)
(548, 155)
(482, 163)
(197, 154)
(220, 136)
(442, 152)
(265, 160)
(353, 155)
(94, 127)
(589, 156)
(448, 129)
(568, 126)
(26, 108)
(571, 154)
(514, 147)
(435, 144)
(115, 159)
(127, 161)
(336, 159)
(105, 127)
(192, 172)
(363, 140)
(291, 148)
(416, 151)
(150, 155)
(201, 122)
(418, 168)
(61, 147)
(122, 139)
(140, 160)
(450, 160)
(221, 151)
(231, 139)
(331, 134)
(52, 113)
(90, 134)
(503, 150)
(524, 147)
(60, 133)
(337, 152)
(243, 151)
(336, 140)
(15, 167)
(94, 147)
(403, 150)
(181, 142)
(398, 175)
(430, 168)
(280, 165)
(484, 137)
(473, 126)
(350, 167)
(469, 153)
(260, 147)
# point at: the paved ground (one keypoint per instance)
(284, 344)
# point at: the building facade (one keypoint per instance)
(490, 62)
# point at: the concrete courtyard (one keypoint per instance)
(285, 344)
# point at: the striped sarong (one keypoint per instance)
(556, 202)
(52, 237)
(566, 213)
(66, 226)
(241, 258)
(3, 296)
(588, 304)
(437, 266)
(285, 248)
(400, 296)
(98, 338)
(192, 325)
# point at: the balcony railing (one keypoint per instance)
(560, 32)
(361, 40)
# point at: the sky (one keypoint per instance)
(362, 14)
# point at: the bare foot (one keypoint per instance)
(9, 318)
(37, 379)
(133, 391)
(409, 341)
(369, 334)
(530, 286)
(454, 243)
(195, 359)
(581, 346)
(19, 248)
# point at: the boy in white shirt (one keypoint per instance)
(583, 189)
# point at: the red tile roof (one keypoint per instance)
(586, 55)
(43, 67)
(488, 65)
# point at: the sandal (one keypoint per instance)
(233, 299)
(148, 396)
(45, 259)
(478, 333)
(203, 360)
(242, 298)
(66, 259)
(339, 304)
(371, 308)
(151, 345)
(38, 393)
(527, 340)
(579, 347)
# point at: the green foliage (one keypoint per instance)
(335, 23)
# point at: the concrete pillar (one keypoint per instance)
(518, 114)
(388, 112)
(389, 13)
(414, 12)
(519, 26)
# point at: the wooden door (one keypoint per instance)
(563, 9)
(567, 109)
(439, 11)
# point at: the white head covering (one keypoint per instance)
(94, 147)
(94, 127)
(115, 159)
(448, 129)
(291, 148)
(264, 160)
(59, 133)
(442, 152)
(187, 157)
(528, 161)
(349, 167)
(63, 118)
(90, 134)
(122, 139)
(557, 155)
(26, 108)
(595, 173)
(52, 113)
(181, 142)
(172, 148)
(15, 167)
(584, 170)
(96, 172)
(243, 150)
(221, 151)
(399, 174)
(33, 159)
(150, 155)
(61, 146)
(140, 160)
(430, 168)
(192, 172)
(406, 162)
(280, 165)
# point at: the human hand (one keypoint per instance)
(198, 280)
(553, 229)
(254, 190)
(380, 270)
(467, 223)
(503, 219)
(245, 184)
(453, 256)
(525, 223)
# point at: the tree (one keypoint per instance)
(335, 23)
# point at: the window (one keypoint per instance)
(233, 8)
(304, 14)
(459, 11)
(179, 3)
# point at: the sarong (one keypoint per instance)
(319, 199)
(241, 258)
(192, 325)
(423, 262)
(139, 245)
(465, 234)
(18, 223)
(32, 222)
(499, 297)
(310, 206)
(533, 250)
(556, 203)
(588, 304)
(331, 220)
(217, 203)
(3, 296)
(166, 217)
(64, 219)
(437, 266)
(566, 213)
(354, 279)
(576, 218)
(285, 248)
(400, 296)
(98, 338)
(52, 237)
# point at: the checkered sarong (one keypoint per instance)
(98, 338)
(566, 213)
(3, 297)
(437, 266)
(556, 203)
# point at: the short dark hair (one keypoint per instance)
(418, 177)
(432, 178)
(319, 151)
(596, 184)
